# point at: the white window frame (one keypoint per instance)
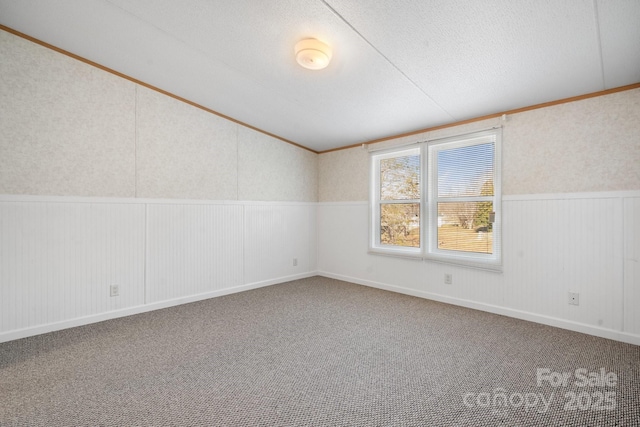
(375, 244)
(428, 249)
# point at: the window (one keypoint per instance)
(398, 201)
(439, 200)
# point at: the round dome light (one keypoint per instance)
(313, 54)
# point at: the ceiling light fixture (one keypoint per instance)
(313, 54)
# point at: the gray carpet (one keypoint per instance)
(316, 352)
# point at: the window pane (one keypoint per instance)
(466, 171)
(465, 227)
(400, 178)
(400, 224)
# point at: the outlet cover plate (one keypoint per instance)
(574, 298)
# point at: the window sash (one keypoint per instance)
(434, 249)
(479, 255)
(376, 243)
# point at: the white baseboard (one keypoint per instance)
(86, 320)
(505, 311)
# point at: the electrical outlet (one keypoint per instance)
(574, 298)
(114, 290)
(295, 262)
(448, 279)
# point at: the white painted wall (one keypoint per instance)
(58, 260)
(631, 261)
(553, 244)
(59, 255)
(193, 249)
(275, 234)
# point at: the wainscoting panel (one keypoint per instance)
(193, 249)
(59, 256)
(58, 260)
(312, 233)
(631, 295)
(274, 236)
(553, 247)
(553, 244)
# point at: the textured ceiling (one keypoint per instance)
(398, 66)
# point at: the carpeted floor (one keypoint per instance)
(318, 352)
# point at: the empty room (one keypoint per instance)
(320, 213)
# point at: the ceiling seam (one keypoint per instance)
(328, 6)
(185, 43)
(596, 17)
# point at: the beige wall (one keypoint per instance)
(65, 128)
(271, 170)
(70, 129)
(182, 151)
(588, 145)
(74, 130)
(344, 175)
(583, 146)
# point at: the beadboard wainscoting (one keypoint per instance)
(192, 249)
(275, 235)
(553, 244)
(58, 261)
(59, 256)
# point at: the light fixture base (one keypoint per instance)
(313, 54)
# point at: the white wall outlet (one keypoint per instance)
(114, 290)
(574, 298)
(295, 262)
(448, 279)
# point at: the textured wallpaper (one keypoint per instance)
(66, 128)
(70, 129)
(583, 146)
(269, 169)
(183, 152)
(588, 145)
(344, 175)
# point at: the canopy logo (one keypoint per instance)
(588, 392)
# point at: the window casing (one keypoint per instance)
(439, 200)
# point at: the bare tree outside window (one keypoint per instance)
(400, 181)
